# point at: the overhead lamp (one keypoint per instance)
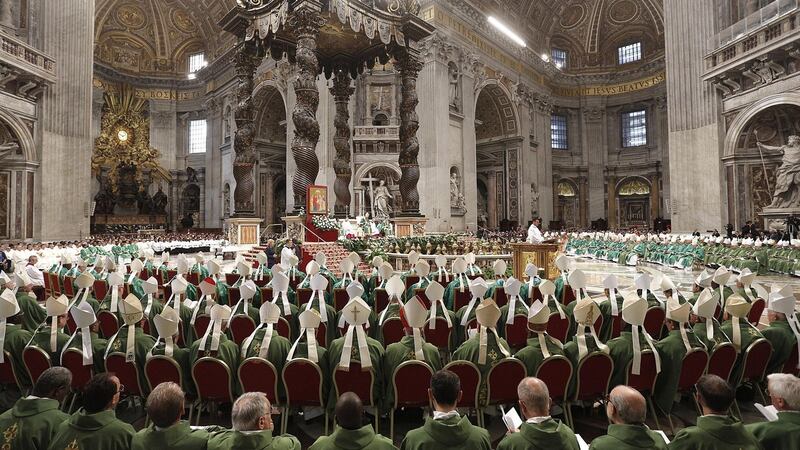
(507, 31)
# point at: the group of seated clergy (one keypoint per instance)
(714, 316)
(36, 422)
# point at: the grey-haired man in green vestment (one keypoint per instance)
(252, 427)
(627, 410)
(715, 429)
(784, 433)
(539, 429)
(447, 429)
(350, 432)
(33, 420)
(165, 408)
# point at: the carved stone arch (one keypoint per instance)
(364, 170)
(259, 91)
(743, 118)
(501, 101)
(630, 181)
(22, 134)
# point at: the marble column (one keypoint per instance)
(306, 24)
(594, 135)
(341, 92)
(655, 197)
(585, 203)
(491, 195)
(409, 65)
(695, 131)
(243, 196)
(63, 202)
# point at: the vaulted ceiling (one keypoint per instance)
(154, 37)
(590, 30)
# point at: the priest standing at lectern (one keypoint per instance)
(534, 233)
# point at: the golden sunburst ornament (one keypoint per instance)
(122, 135)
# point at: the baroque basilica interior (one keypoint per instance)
(646, 149)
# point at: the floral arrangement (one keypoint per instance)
(325, 223)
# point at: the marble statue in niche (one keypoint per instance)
(159, 202)
(226, 200)
(456, 197)
(787, 184)
(381, 198)
(454, 77)
(534, 200)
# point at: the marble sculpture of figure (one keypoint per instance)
(380, 198)
(787, 184)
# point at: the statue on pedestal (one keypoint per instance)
(380, 199)
(159, 202)
(456, 197)
(787, 183)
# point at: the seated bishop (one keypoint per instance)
(783, 331)
(446, 318)
(280, 297)
(355, 350)
(579, 347)
(244, 306)
(32, 313)
(180, 287)
(412, 346)
(214, 343)
(318, 303)
(485, 348)
(516, 306)
(167, 325)
(541, 346)
(627, 349)
(530, 286)
(49, 336)
(423, 270)
(131, 340)
(147, 295)
(13, 335)
(86, 337)
(739, 329)
(673, 348)
(465, 316)
(266, 343)
(577, 282)
(499, 267)
(394, 289)
(706, 327)
(306, 346)
(459, 285)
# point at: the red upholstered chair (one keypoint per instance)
(55, 284)
(340, 299)
(593, 375)
(109, 324)
(234, 295)
(790, 366)
(36, 361)
(567, 294)
(654, 321)
(410, 381)
(72, 360)
(283, 328)
(125, 290)
(231, 278)
(322, 333)
(48, 284)
(556, 372)
(200, 324)
(100, 289)
(645, 381)
(423, 297)
(241, 326)
(500, 296)
(263, 281)
(8, 377)
(381, 300)
(721, 360)
(266, 294)
(392, 331)
(502, 381)
(754, 365)
(693, 367)
(470, 377)
(756, 309)
(616, 325)
(303, 381)
(558, 327)
(127, 373)
(167, 292)
(537, 295)
(161, 369)
(359, 382)
(143, 274)
(461, 299)
(439, 336)
(159, 277)
(171, 274)
(517, 333)
(193, 278)
(303, 296)
(259, 375)
(411, 280)
(212, 378)
(69, 286)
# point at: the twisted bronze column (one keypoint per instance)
(409, 66)
(306, 24)
(245, 65)
(341, 92)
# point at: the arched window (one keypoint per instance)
(380, 120)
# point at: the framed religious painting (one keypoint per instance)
(317, 200)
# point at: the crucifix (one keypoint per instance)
(355, 312)
(370, 179)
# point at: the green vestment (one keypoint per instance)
(362, 438)
(548, 435)
(470, 351)
(672, 351)
(101, 430)
(749, 334)
(451, 433)
(276, 354)
(376, 358)
(227, 352)
(99, 346)
(142, 343)
(30, 424)
(177, 437)
(715, 433)
(41, 339)
(33, 314)
(782, 339)
(16, 339)
(400, 352)
(531, 355)
(264, 440)
(628, 437)
(782, 434)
